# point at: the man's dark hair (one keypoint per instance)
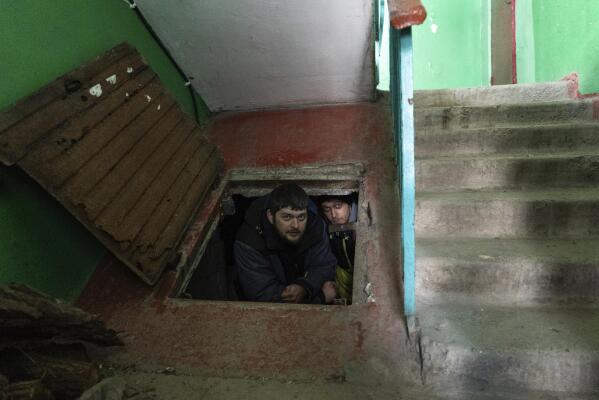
(348, 198)
(288, 195)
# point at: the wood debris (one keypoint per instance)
(43, 346)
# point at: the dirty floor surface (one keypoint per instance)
(174, 385)
(153, 385)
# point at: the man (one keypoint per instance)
(341, 210)
(282, 250)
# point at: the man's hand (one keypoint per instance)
(293, 294)
(328, 288)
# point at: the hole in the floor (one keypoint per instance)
(215, 277)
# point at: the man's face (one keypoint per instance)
(336, 211)
(289, 223)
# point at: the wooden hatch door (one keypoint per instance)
(117, 151)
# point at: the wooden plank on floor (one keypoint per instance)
(60, 141)
(129, 164)
(64, 167)
(165, 210)
(162, 251)
(157, 144)
(14, 141)
(136, 190)
(57, 89)
(191, 199)
(125, 219)
(102, 162)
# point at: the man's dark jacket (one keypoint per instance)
(267, 264)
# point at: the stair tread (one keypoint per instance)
(515, 272)
(506, 129)
(455, 391)
(496, 94)
(494, 250)
(507, 115)
(547, 329)
(517, 105)
(566, 138)
(507, 277)
(584, 194)
(530, 155)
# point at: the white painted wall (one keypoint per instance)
(252, 54)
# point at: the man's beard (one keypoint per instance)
(297, 239)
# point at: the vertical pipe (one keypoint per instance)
(402, 94)
(408, 184)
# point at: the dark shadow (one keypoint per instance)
(215, 277)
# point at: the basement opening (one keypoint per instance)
(211, 273)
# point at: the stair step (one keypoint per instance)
(451, 391)
(507, 171)
(509, 271)
(433, 119)
(538, 348)
(507, 226)
(558, 138)
(567, 213)
(500, 94)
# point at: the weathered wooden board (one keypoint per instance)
(32, 319)
(128, 163)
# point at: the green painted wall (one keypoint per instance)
(566, 39)
(451, 48)
(40, 243)
(553, 38)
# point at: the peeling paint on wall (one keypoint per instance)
(369, 290)
(111, 79)
(96, 90)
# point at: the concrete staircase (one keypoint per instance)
(507, 225)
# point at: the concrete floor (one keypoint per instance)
(137, 383)
(257, 350)
(365, 342)
(175, 387)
